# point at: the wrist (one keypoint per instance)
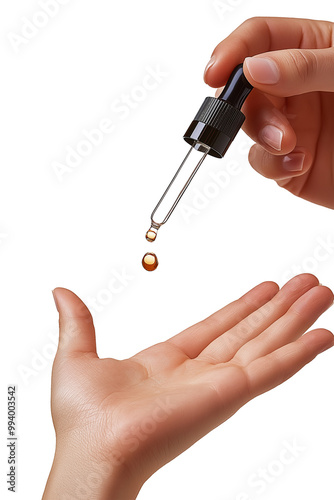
(79, 473)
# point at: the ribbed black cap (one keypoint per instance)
(218, 120)
(215, 125)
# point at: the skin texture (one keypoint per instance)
(300, 104)
(118, 421)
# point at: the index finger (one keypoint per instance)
(264, 34)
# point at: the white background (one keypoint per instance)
(77, 232)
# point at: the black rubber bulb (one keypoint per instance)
(237, 88)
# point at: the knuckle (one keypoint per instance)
(303, 62)
(211, 322)
(250, 22)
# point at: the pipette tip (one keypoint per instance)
(151, 234)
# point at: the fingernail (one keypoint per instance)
(263, 69)
(55, 299)
(272, 136)
(293, 162)
(210, 63)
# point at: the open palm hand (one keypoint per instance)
(143, 411)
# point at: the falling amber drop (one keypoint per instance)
(151, 235)
(150, 261)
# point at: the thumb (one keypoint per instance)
(76, 327)
(292, 71)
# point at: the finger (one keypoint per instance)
(285, 168)
(195, 338)
(269, 371)
(224, 348)
(76, 328)
(292, 71)
(267, 125)
(299, 318)
(272, 34)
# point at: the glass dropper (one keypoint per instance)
(211, 133)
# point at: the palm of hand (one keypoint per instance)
(145, 410)
(147, 402)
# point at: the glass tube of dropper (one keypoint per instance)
(177, 187)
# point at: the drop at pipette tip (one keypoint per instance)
(151, 235)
